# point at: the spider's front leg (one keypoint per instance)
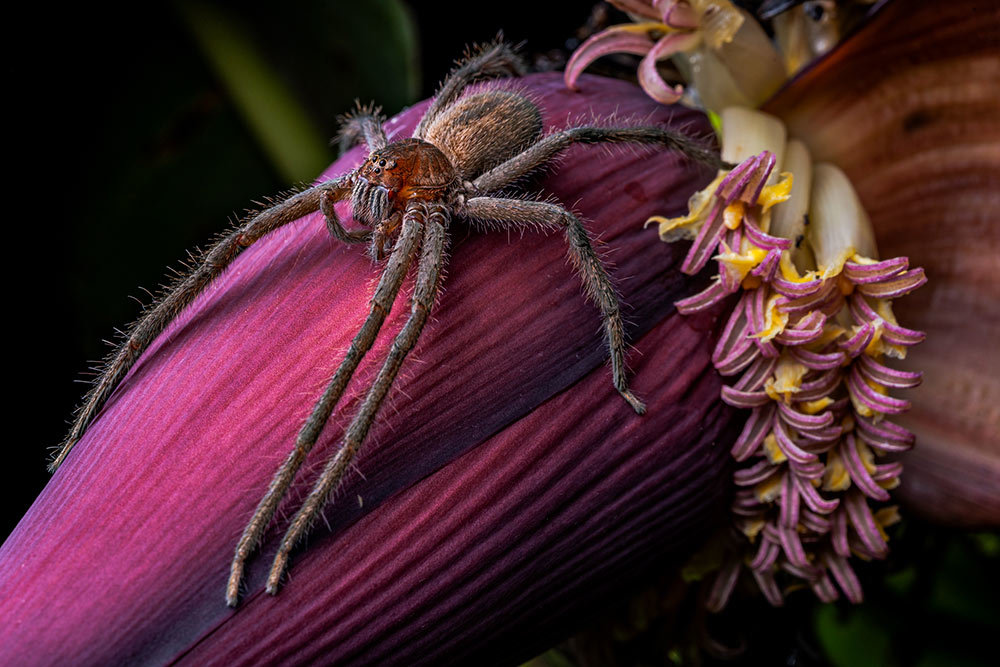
(381, 303)
(183, 291)
(525, 214)
(432, 220)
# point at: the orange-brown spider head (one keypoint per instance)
(407, 169)
(390, 177)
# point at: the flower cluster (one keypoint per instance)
(808, 348)
(723, 52)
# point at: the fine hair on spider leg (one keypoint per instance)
(468, 146)
(363, 124)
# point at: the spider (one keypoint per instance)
(405, 194)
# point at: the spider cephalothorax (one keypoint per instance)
(411, 169)
(477, 133)
(405, 195)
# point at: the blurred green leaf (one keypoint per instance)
(291, 70)
(945, 658)
(551, 658)
(901, 582)
(988, 544)
(276, 118)
(959, 589)
(852, 639)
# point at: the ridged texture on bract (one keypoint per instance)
(505, 493)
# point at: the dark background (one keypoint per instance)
(124, 148)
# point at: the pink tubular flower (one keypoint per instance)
(506, 488)
(808, 353)
(728, 56)
(909, 112)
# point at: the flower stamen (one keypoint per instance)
(808, 335)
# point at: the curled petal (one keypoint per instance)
(839, 534)
(723, 585)
(649, 76)
(850, 455)
(631, 38)
(813, 299)
(884, 436)
(896, 286)
(811, 470)
(813, 439)
(844, 574)
(767, 554)
(794, 289)
(814, 500)
(768, 267)
(706, 241)
(862, 312)
(755, 474)
(861, 339)
(642, 8)
(863, 394)
(735, 336)
(820, 386)
(763, 164)
(791, 544)
(824, 589)
(736, 181)
(769, 587)
(754, 431)
(890, 377)
(864, 524)
(818, 361)
(766, 241)
(703, 300)
(789, 501)
(756, 376)
(861, 274)
(804, 422)
(794, 453)
(817, 523)
(744, 399)
(806, 330)
(739, 358)
(888, 471)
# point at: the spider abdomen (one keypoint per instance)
(481, 131)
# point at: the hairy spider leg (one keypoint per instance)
(364, 123)
(327, 199)
(548, 147)
(184, 290)
(521, 214)
(433, 220)
(380, 305)
(492, 60)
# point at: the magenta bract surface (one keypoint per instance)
(505, 492)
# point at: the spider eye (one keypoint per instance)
(381, 163)
(377, 170)
(814, 10)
